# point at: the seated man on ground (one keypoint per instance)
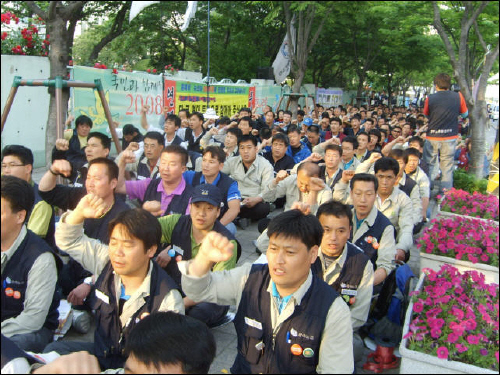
(269, 320)
(129, 284)
(212, 163)
(18, 161)
(205, 208)
(29, 274)
(252, 173)
(344, 266)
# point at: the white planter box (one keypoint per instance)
(451, 214)
(413, 362)
(435, 262)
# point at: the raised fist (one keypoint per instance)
(154, 207)
(281, 175)
(128, 157)
(62, 144)
(347, 176)
(216, 248)
(62, 167)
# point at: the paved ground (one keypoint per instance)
(225, 335)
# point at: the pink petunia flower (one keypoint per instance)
(442, 352)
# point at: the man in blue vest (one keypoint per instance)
(17, 161)
(205, 208)
(297, 149)
(129, 286)
(288, 320)
(29, 274)
(344, 266)
(163, 195)
(212, 163)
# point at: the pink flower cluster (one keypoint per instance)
(455, 317)
(477, 205)
(462, 238)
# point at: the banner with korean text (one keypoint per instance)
(226, 100)
(126, 93)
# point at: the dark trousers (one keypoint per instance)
(33, 341)
(257, 212)
(208, 313)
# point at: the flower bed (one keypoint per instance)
(461, 238)
(477, 205)
(451, 324)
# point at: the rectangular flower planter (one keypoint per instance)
(451, 214)
(435, 262)
(413, 362)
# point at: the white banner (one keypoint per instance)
(190, 11)
(137, 6)
(281, 64)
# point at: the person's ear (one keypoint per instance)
(313, 253)
(152, 251)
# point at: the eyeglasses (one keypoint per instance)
(12, 165)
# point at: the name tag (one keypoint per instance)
(349, 292)
(177, 249)
(104, 298)
(253, 323)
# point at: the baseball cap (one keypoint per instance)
(207, 193)
(308, 121)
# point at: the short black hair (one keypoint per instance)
(184, 110)
(246, 109)
(376, 133)
(397, 153)
(287, 113)
(301, 112)
(334, 148)
(418, 139)
(149, 230)
(356, 116)
(83, 120)
(387, 164)
(179, 150)
(197, 114)
(293, 129)
(105, 140)
(370, 120)
(352, 140)
(335, 208)
(366, 177)
(110, 166)
(24, 154)
(336, 119)
(234, 131)
(171, 338)
(294, 224)
(274, 115)
(18, 193)
(313, 129)
(443, 81)
(216, 152)
(281, 137)
(363, 133)
(157, 136)
(175, 119)
(265, 132)
(224, 120)
(246, 118)
(412, 151)
(246, 138)
(325, 115)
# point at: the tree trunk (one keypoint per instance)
(478, 118)
(59, 58)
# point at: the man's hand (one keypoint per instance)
(74, 363)
(280, 176)
(400, 139)
(214, 131)
(374, 156)
(62, 167)
(316, 184)
(347, 176)
(163, 258)
(128, 157)
(400, 255)
(215, 248)
(133, 146)
(314, 157)
(77, 296)
(62, 144)
(144, 110)
(255, 132)
(90, 207)
(154, 207)
(294, 122)
(305, 208)
(251, 201)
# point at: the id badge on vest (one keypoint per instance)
(103, 297)
(348, 293)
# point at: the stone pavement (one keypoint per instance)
(225, 335)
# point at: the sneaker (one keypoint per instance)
(243, 222)
(82, 320)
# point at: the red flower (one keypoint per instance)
(47, 36)
(4, 35)
(70, 63)
(442, 352)
(97, 65)
(148, 70)
(115, 71)
(103, 66)
(154, 70)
